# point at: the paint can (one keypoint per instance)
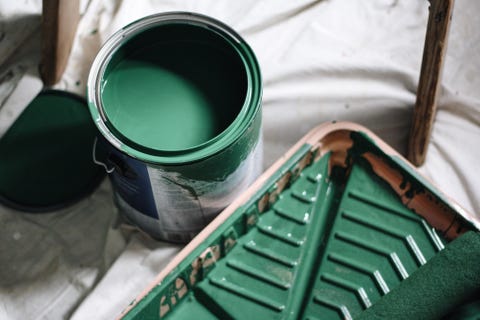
(177, 100)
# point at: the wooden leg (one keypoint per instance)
(430, 77)
(59, 24)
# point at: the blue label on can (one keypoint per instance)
(132, 182)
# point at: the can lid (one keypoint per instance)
(46, 155)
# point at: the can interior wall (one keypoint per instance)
(176, 98)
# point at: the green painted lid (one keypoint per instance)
(46, 155)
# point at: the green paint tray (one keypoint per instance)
(326, 232)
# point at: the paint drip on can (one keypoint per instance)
(177, 100)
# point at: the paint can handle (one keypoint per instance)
(96, 161)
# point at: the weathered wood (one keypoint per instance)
(59, 24)
(430, 78)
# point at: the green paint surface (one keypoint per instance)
(174, 87)
(45, 157)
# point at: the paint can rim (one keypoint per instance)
(248, 111)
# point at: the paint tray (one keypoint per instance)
(329, 229)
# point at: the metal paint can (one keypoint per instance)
(177, 100)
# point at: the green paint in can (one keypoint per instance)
(176, 97)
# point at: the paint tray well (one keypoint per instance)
(327, 231)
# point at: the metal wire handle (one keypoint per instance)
(97, 162)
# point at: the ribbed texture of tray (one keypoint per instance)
(323, 250)
(374, 243)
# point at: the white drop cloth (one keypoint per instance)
(321, 61)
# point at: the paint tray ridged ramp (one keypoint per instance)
(325, 233)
